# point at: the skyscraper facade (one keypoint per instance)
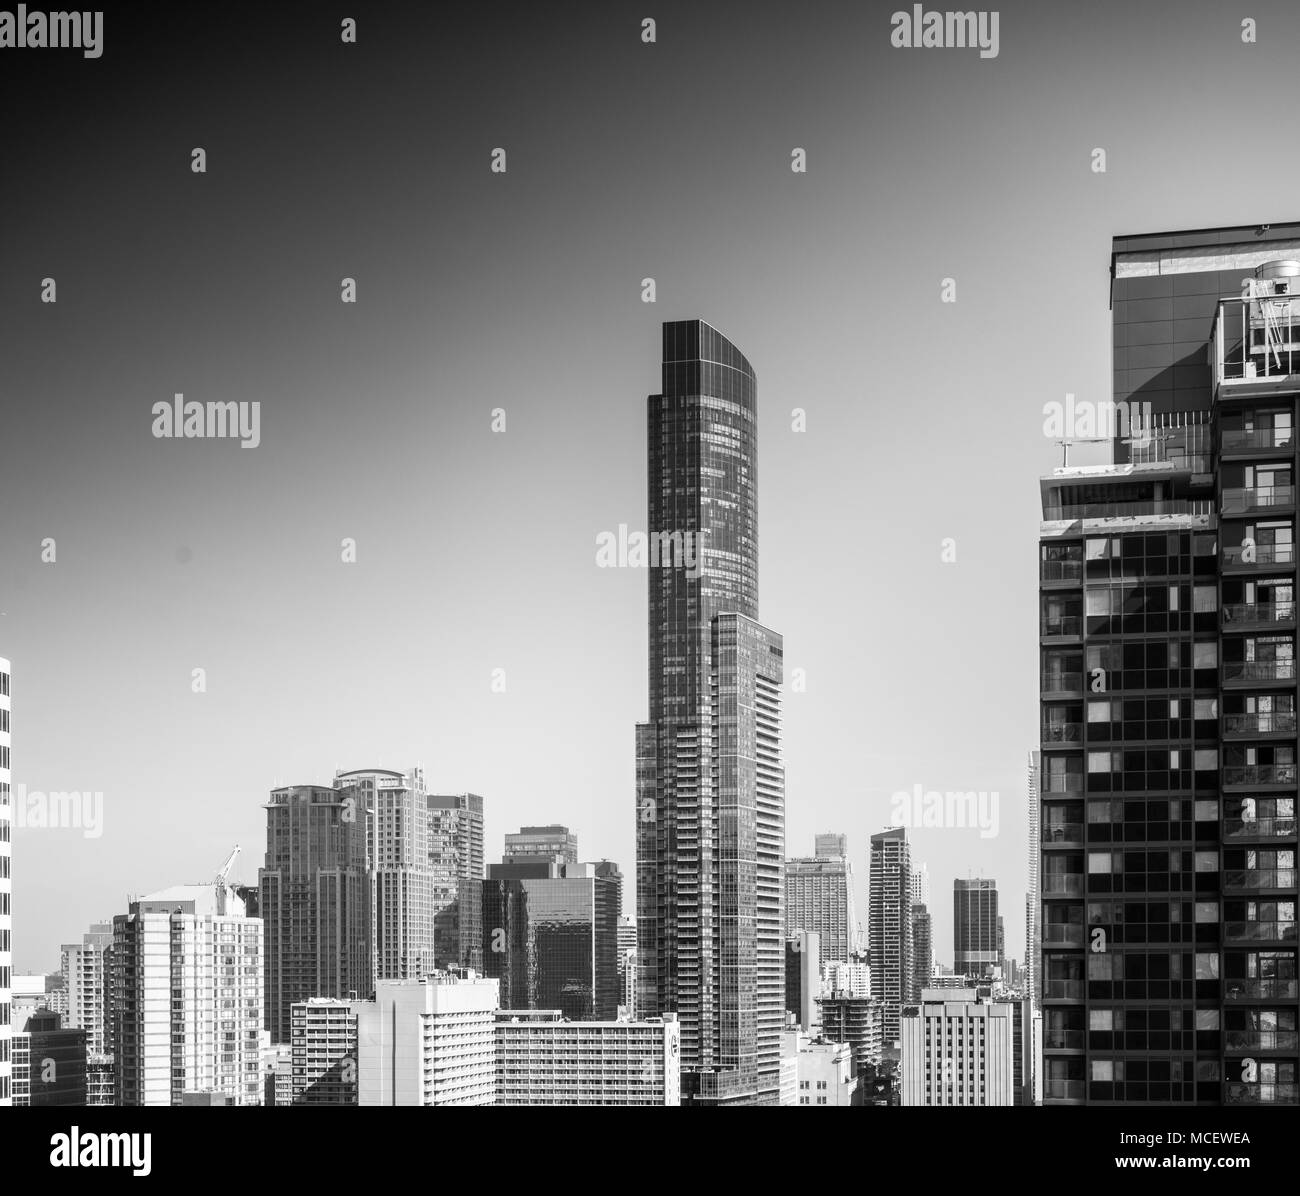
(975, 927)
(456, 857)
(86, 982)
(890, 914)
(1033, 938)
(314, 897)
(401, 871)
(6, 897)
(186, 998)
(819, 897)
(922, 951)
(550, 935)
(1168, 681)
(710, 805)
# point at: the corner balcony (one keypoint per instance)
(1267, 989)
(1263, 1094)
(1260, 932)
(1259, 774)
(1257, 614)
(1256, 671)
(1259, 441)
(1242, 500)
(1278, 722)
(1254, 347)
(1260, 828)
(1261, 1040)
(1255, 879)
(1262, 556)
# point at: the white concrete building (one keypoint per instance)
(958, 1050)
(85, 981)
(428, 1042)
(543, 1060)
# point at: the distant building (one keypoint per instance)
(831, 847)
(549, 842)
(803, 978)
(958, 1050)
(6, 891)
(323, 1052)
(84, 977)
(456, 858)
(976, 950)
(922, 950)
(99, 1080)
(49, 1063)
(891, 925)
(819, 898)
(545, 1060)
(857, 1021)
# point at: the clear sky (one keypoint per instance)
(522, 291)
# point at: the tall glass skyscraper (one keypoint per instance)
(976, 950)
(710, 782)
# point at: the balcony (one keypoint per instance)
(1260, 932)
(1257, 439)
(1270, 989)
(1261, 828)
(1264, 556)
(1263, 1094)
(1260, 1040)
(1062, 733)
(1237, 614)
(1070, 782)
(1061, 683)
(1063, 934)
(1259, 878)
(1255, 342)
(1061, 625)
(1061, 570)
(1063, 1040)
(1237, 500)
(1065, 1089)
(1271, 723)
(1259, 670)
(1061, 833)
(1129, 510)
(1068, 885)
(1259, 774)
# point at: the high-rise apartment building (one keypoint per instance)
(710, 805)
(544, 1059)
(1033, 909)
(401, 872)
(322, 1052)
(428, 1042)
(1168, 686)
(6, 895)
(831, 846)
(921, 885)
(185, 978)
(959, 1049)
(49, 1062)
(85, 979)
(819, 898)
(548, 841)
(890, 912)
(550, 934)
(456, 857)
(976, 951)
(922, 950)
(314, 897)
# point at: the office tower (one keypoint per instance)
(921, 885)
(975, 927)
(49, 1062)
(84, 977)
(428, 1042)
(857, 1020)
(831, 847)
(922, 951)
(1168, 684)
(547, 841)
(1002, 946)
(401, 871)
(824, 1076)
(819, 897)
(322, 1052)
(185, 975)
(456, 857)
(314, 894)
(852, 978)
(550, 935)
(1033, 938)
(803, 984)
(6, 891)
(710, 781)
(958, 1050)
(542, 1059)
(890, 913)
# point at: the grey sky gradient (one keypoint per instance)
(522, 291)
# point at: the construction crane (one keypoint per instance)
(220, 882)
